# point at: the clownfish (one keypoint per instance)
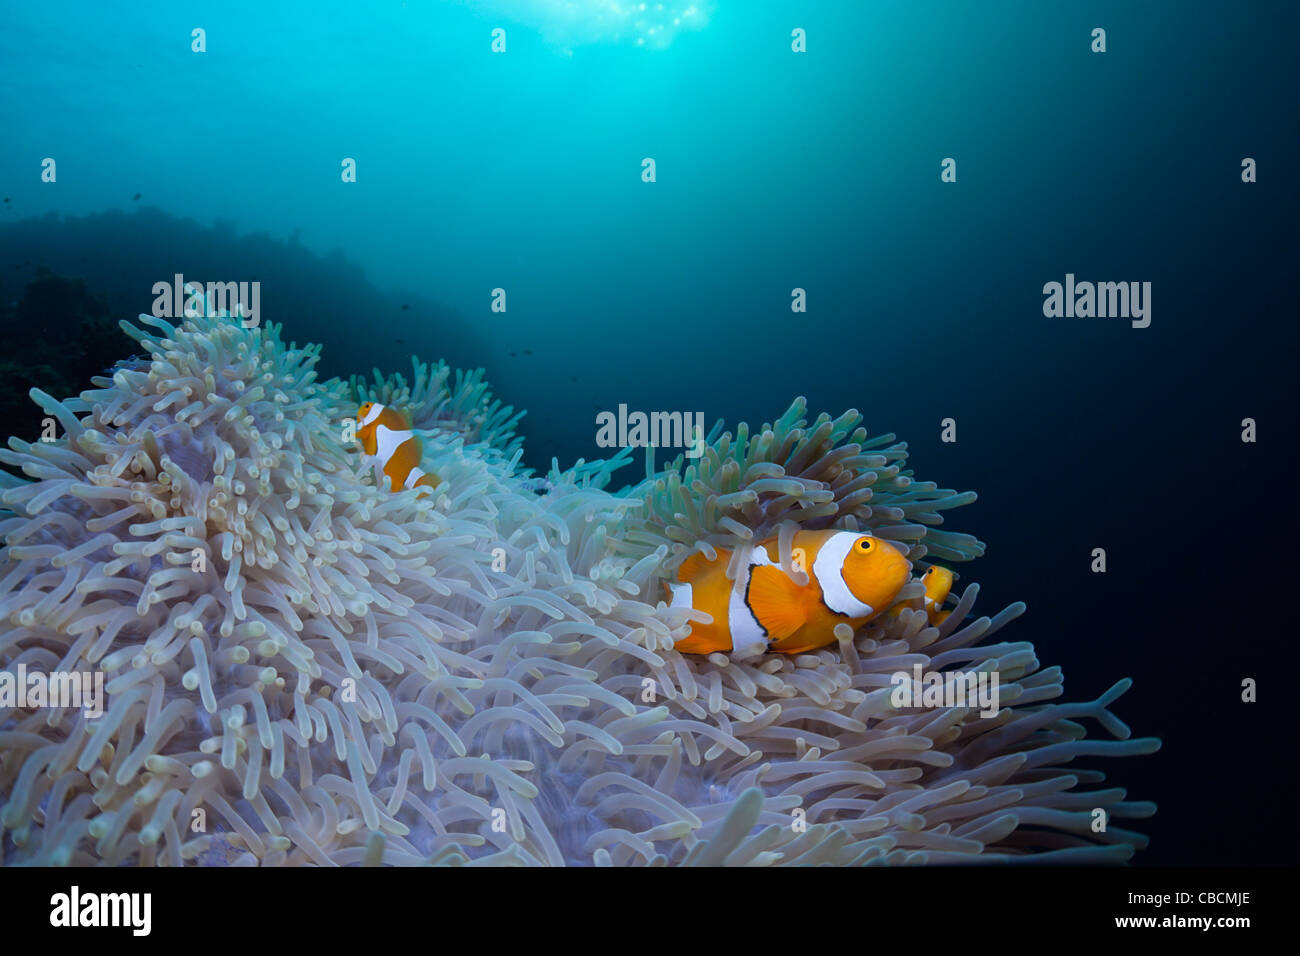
(938, 582)
(386, 437)
(852, 577)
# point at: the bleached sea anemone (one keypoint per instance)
(443, 399)
(304, 669)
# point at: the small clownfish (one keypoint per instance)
(852, 577)
(386, 437)
(938, 582)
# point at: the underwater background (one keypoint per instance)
(774, 171)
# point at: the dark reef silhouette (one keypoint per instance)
(58, 335)
(325, 299)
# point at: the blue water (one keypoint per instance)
(775, 170)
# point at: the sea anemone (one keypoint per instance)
(303, 668)
(443, 399)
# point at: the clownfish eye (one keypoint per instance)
(866, 544)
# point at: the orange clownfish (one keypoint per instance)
(386, 437)
(938, 582)
(852, 577)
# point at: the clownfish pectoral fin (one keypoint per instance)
(777, 602)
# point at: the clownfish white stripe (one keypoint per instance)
(682, 593)
(374, 413)
(414, 475)
(828, 569)
(388, 441)
(746, 630)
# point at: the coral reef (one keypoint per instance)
(333, 674)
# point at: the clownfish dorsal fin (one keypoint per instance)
(776, 601)
(692, 567)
